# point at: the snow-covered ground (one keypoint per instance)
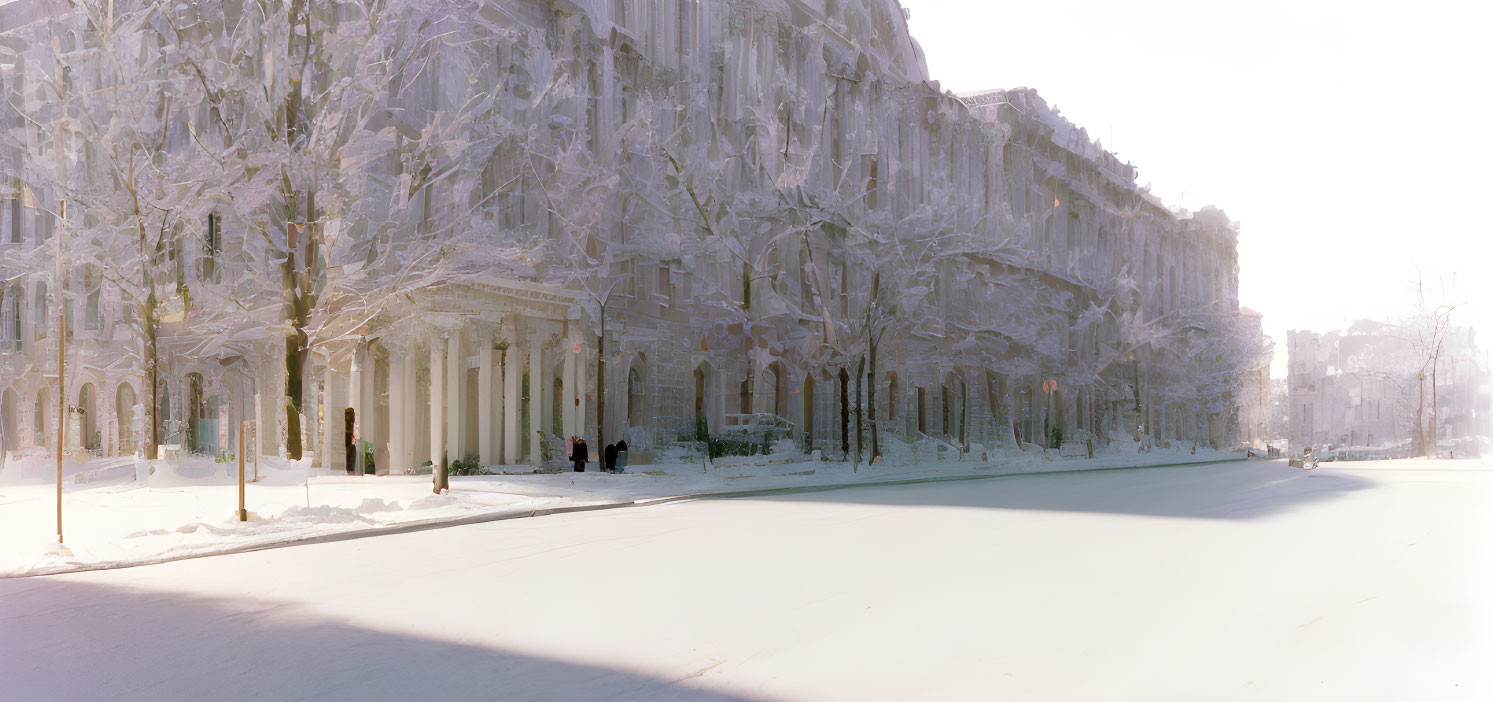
(1232, 581)
(126, 513)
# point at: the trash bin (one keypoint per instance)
(621, 461)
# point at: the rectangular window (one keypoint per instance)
(805, 286)
(10, 318)
(844, 290)
(92, 317)
(39, 321)
(10, 220)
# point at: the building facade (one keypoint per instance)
(471, 233)
(1367, 386)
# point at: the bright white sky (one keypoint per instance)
(1347, 138)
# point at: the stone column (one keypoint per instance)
(397, 429)
(455, 369)
(484, 402)
(580, 404)
(536, 397)
(567, 402)
(512, 387)
(409, 410)
(355, 401)
(437, 402)
(262, 433)
(329, 412)
(367, 404)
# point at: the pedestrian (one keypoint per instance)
(622, 456)
(579, 455)
(610, 456)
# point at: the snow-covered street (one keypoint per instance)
(1245, 580)
(129, 511)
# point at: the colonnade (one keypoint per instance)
(474, 402)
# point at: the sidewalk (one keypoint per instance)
(186, 509)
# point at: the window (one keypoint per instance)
(624, 271)
(894, 396)
(93, 318)
(212, 246)
(634, 398)
(665, 284)
(10, 220)
(922, 412)
(39, 307)
(844, 290)
(10, 317)
(805, 288)
(746, 285)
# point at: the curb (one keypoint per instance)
(446, 522)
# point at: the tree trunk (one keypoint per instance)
(1418, 439)
(601, 384)
(871, 406)
(151, 399)
(860, 412)
(293, 366)
(1435, 430)
(845, 412)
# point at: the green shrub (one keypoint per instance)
(1056, 437)
(730, 447)
(469, 466)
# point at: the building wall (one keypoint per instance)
(756, 192)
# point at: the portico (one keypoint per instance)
(458, 372)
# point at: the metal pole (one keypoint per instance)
(61, 358)
(61, 403)
(242, 515)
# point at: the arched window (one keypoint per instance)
(42, 418)
(779, 389)
(9, 439)
(746, 394)
(893, 396)
(124, 413)
(12, 315)
(634, 398)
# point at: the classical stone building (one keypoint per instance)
(760, 214)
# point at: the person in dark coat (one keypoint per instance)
(580, 455)
(611, 458)
(621, 463)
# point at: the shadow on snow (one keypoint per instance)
(1236, 490)
(65, 640)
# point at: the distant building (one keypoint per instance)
(1255, 390)
(1365, 386)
